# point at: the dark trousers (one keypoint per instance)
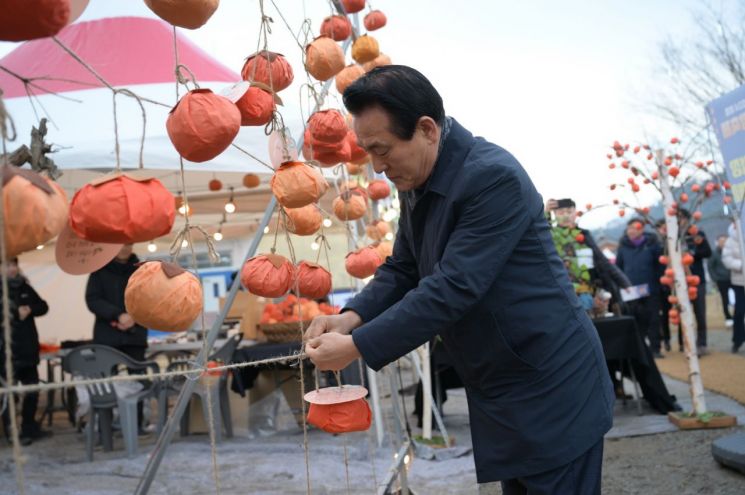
(723, 288)
(646, 311)
(26, 375)
(738, 327)
(580, 477)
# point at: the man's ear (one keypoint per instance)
(429, 129)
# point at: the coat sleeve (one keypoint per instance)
(702, 250)
(393, 279)
(607, 271)
(98, 305)
(731, 256)
(39, 306)
(492, 221)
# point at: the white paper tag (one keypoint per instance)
(634, 292)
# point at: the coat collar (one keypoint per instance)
(450, 160)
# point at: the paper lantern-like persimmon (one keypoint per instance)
(323, 58)
(251, 180)
(303, 221)
(353, 6)
(363, 262)
(378, 61)
(122, 208)
(344, 417)
(35, 209)
(378, 189)
(327, 126)
(375, 19)
(202, 125)
(354, 169)
(313, 280)
(23, 20)
(336, 27)
(349, 206)
(268, 275)
(268, 68)
(347, 76)
(296, 184)
(330, 158)
(163, 296)
(215, 185)
(358, 153)
(377, 230)
(365, 49)
(189, 14)
(256, 106)
(384, 248)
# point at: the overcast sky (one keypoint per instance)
(553, 82)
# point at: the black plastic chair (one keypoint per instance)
(100, 361)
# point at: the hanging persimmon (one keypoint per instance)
(24, 20)
(349, 205)
(215, 185)
(384, 248)
(327, 126)
(267, 275)
(313, 280)
(375, 19)
(353, 6)
(377, 230)
(358, 153)
(268, 68)
(343, 417)
(202, 125)
(323, 58)
(365, 49)
(347, 76)
(189, 14)
(122, 209)
(336, 27)
(296, 184)
(251, 181)
(163, 296)
(363, 262)
(330, 158)
(378, 189)
(35, 209)
(378, 61)
(303, 221)
(256, 106)
(353, 168)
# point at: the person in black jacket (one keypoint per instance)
(638, 256)
(25, 305)
(695, 242)
(104, 296)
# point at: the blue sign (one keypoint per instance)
(727, 116)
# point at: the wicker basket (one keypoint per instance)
(279, 333)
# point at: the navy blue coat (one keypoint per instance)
(641, 263)
(474, 263)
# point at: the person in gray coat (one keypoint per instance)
(732, 259)
(721, 276)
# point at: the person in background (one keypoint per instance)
(696, 243)
(720, 274)
(638, 256)
(732, 259)
(581, 255)
(25, 305)
(664, 290)
(104, 295)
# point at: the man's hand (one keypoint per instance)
(125, 321)
(343, 324)
(332, 351)
(551, 205)
(23, 312)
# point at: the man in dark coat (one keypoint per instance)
(696, 244)
(25, 305)
(474, 263)
(638, 256)
(104, 296)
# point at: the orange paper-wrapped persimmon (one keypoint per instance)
(202, 125)
(354, 169)
(256, 106)
(303, 221)
(296, 184)
(215, 185)
(353, 6)
(358, 153)
(267, 275)
(122, 208)
(327, 126)
(336, 27)
(377, 230)
(375, 19)
(163, 296)
(365, 49)
(35, 209)
(379, 61)
(268, 68)
(23, 20)
(330, 158)
(363, 262)
(378, 189)
(313, 280)
(343, 417)
(324, 58)
(384, 248)
(349, 205)
(189, 14)
(251, 180)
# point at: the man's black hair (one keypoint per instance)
(637, 219)
(682, 212)
(404, 93)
